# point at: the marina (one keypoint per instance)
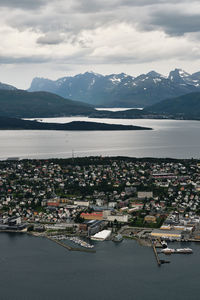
(74, 239)
(69, 247)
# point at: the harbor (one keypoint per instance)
(127, 265)
(73, 239)
(167, 251)
(57, 241)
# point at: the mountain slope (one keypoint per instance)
(4, 86)
(186, 106)
(121, 90)
(24, 104)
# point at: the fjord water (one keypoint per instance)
(170, 138)
(36, 268)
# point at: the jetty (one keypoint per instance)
(69, 247)
(156, 254)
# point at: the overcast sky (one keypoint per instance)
(56, 38)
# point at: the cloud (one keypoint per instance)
(176, 23)
(93, 33)
(22, 4)
(172, 17)
(32, 59)
(51, 38)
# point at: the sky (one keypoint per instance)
(57, 38)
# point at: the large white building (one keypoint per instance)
(101, 235)
(110, 217)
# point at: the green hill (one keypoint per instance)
(23, 104)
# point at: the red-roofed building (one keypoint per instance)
(92, 216)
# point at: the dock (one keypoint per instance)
(156, 254)
(69, 248)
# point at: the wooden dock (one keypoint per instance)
(69, 247)
(156, 254)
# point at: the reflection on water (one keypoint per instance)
(170, 138)
(118, 108)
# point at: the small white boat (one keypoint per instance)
(184, 250)
(168, 251)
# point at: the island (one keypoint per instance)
(7, 123)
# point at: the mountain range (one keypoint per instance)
(121, 90)
(26, 104)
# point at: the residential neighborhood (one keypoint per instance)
(85, 195)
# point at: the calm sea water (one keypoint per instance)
(35, 268)
(170, 138)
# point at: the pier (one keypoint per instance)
(156, 254)
(69, 247)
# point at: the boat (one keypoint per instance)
(164, 244)
(117, 238)
(184, 250)
(80, 242)
(168, 251)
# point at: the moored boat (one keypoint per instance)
(168, 251)
(184, 250)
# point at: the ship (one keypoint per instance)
(168, 251)
(117, 238)
(184, 251)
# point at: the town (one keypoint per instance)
(143, 198)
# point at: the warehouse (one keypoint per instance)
(101, 236)
(173, 234)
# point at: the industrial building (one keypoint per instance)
(160, 233)
(102, 235)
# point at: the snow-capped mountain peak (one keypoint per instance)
(121, 89)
